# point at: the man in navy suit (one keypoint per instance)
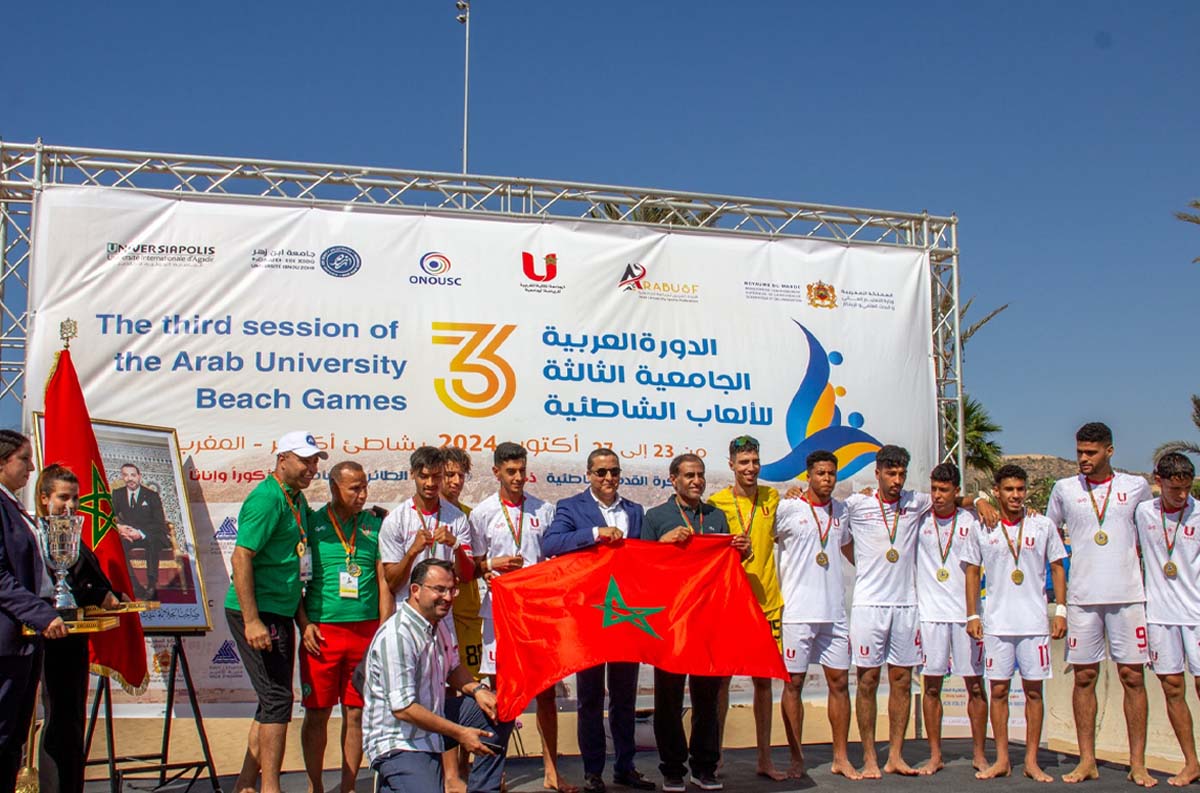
(600, 515)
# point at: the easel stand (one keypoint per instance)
(122, 766)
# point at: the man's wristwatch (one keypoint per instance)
(480, 686)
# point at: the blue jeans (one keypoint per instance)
(421, 772)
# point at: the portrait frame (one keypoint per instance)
(179, 585)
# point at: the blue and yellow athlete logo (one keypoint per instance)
(814, 421)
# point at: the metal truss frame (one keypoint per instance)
(25, 168)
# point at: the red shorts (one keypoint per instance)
(325, 678)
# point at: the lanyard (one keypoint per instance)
(295, 514)
(682, 514)
(520, 527)
(1016, 554)
(1101, 512)
(347, 546)
(895, 521)
(823, 536)
(436, 520)
(1170, 540)
(742, 521)
(949, 540)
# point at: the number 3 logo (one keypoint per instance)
(500, 382)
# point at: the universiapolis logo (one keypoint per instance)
(435, 269)
(340, 261)
(160, 254)
(636, 279)
(540, 277)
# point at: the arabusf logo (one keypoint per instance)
(226, 654)
(340, 261)
(227, 530)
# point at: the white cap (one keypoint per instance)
(301, 443)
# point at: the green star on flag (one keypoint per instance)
(616, 611)
(98, 506)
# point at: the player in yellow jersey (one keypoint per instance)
(468, 625)
(750, 509)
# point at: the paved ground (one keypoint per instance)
(524, 774)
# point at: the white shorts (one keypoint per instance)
(1124, 624)
(824, 643)
(948, 649)
(1030, 655)
(885, 633)
(487, 662)
(1171, 645)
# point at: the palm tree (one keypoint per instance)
(1190, 217)
(1185, 447)
(982, 454)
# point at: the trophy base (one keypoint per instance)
(70, 613)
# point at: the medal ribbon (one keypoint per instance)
(741, 521)
(823, 536)
(1170, 541)
(348, 547)
(295, 512)
(683, 515)
(895, 522)
(1016, 554)
(520, 528)
(949, 540)
(436, 520)
(1100, 512)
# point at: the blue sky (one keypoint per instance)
(1064, 135)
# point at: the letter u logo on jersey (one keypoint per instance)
(1121, 497)
(864, 650)
(534, 522)
(962, 531)
(988, 663)
(789, 653)
(1029, 542)
(1189, 531)
(1071, 643)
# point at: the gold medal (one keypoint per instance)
(943, 574)
(1017, 577)
(301, 547)
(1101, 538)
(893, 555)
(1171, 569)
(353, 568)
(822, 559)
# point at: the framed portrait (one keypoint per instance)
(150, 506)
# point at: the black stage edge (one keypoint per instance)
(120, 767)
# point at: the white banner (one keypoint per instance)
(235, 320)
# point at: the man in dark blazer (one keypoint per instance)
(23, 584)
(142, 524)
(600, 515)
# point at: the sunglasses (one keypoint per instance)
(601, 473)
(743, 441)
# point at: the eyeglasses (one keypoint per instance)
(601, 473)
(743, 441)
(442, 591)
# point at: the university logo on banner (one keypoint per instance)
(541, 276)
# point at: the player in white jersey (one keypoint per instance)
(941, 536)
(883, 620)
(1014, 631)
(1106, 597)
(809, 534)
(506, 535)
(1169, 533)
(425, 526)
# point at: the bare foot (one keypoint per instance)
(870, 771)
(1034, 771)
(770, 771)
(1082, 773)
(552, 782)
(996, 769)
(897, 765)
(980, 762)
(931, 767)
(844, 768)
(796, 770)
(1141, 777)
(1188, 775)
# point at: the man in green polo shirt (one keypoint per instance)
(338, 617)
(269, 562)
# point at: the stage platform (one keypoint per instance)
(525, 773)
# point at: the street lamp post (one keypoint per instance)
(464, 19)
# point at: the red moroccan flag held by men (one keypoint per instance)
(683, 609)
(120, 653)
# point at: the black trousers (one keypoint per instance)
(673, 748)
(18, 688)
(622, 699)
(64, 700)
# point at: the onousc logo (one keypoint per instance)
(340, 261)
(435, 266)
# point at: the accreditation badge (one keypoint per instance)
(347, 585)
(306, 565)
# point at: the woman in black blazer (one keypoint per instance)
(25, 587)
(61, 763)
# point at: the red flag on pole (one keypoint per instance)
(683, 609)
(120, 653)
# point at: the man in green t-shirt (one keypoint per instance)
(269, 562)
(338, 617)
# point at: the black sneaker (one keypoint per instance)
(707, 782)
(633, 779)
(674, 784)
